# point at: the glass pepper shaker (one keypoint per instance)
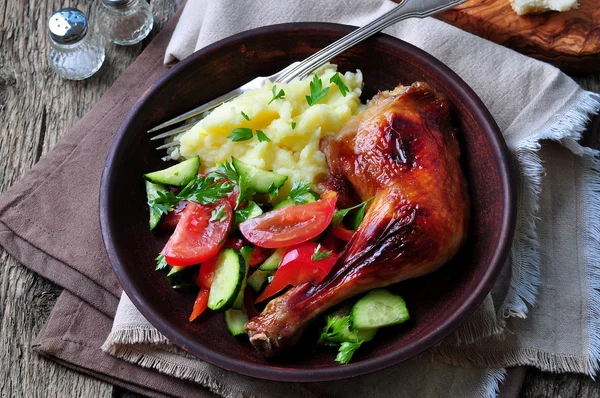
(126, 22)
(75, 53)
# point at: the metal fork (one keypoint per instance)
(405, 9)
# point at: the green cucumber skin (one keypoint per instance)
(363, 306)
(273, 261)
(219, 300)
(152, 190)
(246, 252)
(235, 321)
(285, 203)
(260, 180)
(257, 280)
(178, 176)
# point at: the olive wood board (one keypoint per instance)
(569, 40)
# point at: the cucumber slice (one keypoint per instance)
(179, 175)
(235, 321)
(152, 191)
(285, 203)
(227, 282)
(377, 309)
(298, 200)
(257, 280)
(273, 261)
(246, 252)
(182, 277)
(260, 180)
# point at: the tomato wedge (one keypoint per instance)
(259, 255)
(290, 225)
(298, 267)
(207, 273)
(196, 238)
(200, 304)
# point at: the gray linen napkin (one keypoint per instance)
(544, 309)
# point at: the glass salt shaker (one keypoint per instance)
(126, 22)
(75, 53)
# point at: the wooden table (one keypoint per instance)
(36, 109)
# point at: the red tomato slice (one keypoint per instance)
(298, 267)
(235, 243)
(170, 220)
(197, 239)
(259, 255)
(290, 225)
(200, 304)
(207, 273)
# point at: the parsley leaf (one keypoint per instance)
(320, 254)
(293, 125)
(161, 263)
(218, 214)
(242, 180)
(227, 170)
(205, 190)
(276, 95)
(335, 324)
(337, 80)
(346, 351)
(240, 134)
(302, 193)
(245, 116)
(247, 212)
(339, 215)
(163, 203)
(262, 137)
(317, 92)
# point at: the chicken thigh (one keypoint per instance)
(402, 152)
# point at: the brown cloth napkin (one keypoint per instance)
(60, 240)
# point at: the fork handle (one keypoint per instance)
(406, 9)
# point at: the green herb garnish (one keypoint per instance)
(218, 214)
(204, 190)
(347, 349)
(245, 190)
(245, 116)
(339, 215)
(240, 134)
(161, 263)
(317, 92)
(262, 137)
(337, 80)
(335, 324)
(276, 95)
(320, 254)
(293, 125)
(301, 193)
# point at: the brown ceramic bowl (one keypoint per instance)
(438, 302)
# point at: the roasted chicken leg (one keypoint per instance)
(402, 151)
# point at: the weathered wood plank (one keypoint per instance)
(36, 108)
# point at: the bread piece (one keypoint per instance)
(523, 7)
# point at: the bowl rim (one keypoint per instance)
(474, 298)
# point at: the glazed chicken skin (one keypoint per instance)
(402, 152)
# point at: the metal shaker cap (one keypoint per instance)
(67, 26)
(118, 4)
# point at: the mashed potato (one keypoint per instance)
(292, 151)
